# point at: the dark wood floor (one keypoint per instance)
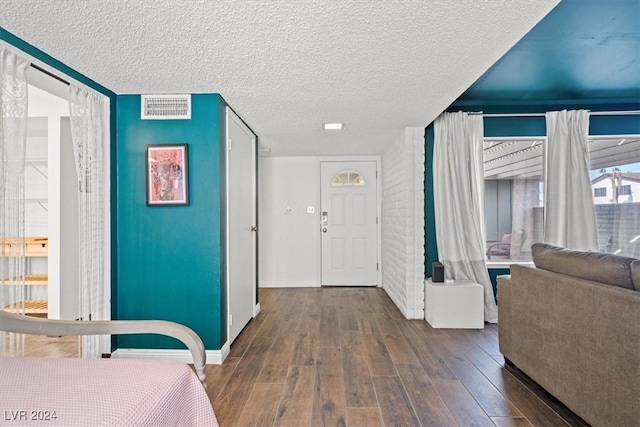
(347, 356)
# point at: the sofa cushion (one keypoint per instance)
(635, 274)
(595, 266)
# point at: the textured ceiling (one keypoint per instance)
(287, 66)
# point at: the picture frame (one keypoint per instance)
(167, 173)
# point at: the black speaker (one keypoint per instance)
(437, 272)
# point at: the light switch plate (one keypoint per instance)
(310, 209)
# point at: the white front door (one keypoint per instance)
(241, 223)
(348, 213)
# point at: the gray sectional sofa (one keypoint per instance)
(572, 324)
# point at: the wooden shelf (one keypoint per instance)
(30, 280)
(34, 246)
(30, 247)
(30, 306)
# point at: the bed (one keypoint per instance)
(102, 392)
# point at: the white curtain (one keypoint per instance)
(459, 201)
(13, 139)
(90, 135)
(569, 213)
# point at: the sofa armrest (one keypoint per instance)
(505, 314)
(578, 339)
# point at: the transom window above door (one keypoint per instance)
(348, 178)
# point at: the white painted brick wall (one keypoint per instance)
(403, 222)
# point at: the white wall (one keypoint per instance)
(35, 177)
(403, 222)
(289, 243)
(43, 135)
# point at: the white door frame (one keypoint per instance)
(254, 159)
(378, 161)
(105, 341)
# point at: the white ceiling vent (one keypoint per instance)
(165, 107)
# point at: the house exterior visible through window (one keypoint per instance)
(615, 168)
(600, 192)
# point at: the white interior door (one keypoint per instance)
(241, 223)
(348, 198)
(69, 286)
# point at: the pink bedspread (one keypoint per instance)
(101, 392)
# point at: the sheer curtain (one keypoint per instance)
(459, 201)
(13, 139)
(90, 135)
(569, 215)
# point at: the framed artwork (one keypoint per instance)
(167, 175)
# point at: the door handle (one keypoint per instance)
(324, 230)
(254, 228)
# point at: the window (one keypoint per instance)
(514, 194)
(347, 179)
(615, 167)
(600, 192)
(513, 197)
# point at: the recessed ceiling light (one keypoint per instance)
(333, 126)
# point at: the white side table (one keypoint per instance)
(457, 304)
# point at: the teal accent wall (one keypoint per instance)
(536, 126)
(514, 126)
(170, 258)
(70, 72)
(167, 262)
(493, 275)
(430, 242)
